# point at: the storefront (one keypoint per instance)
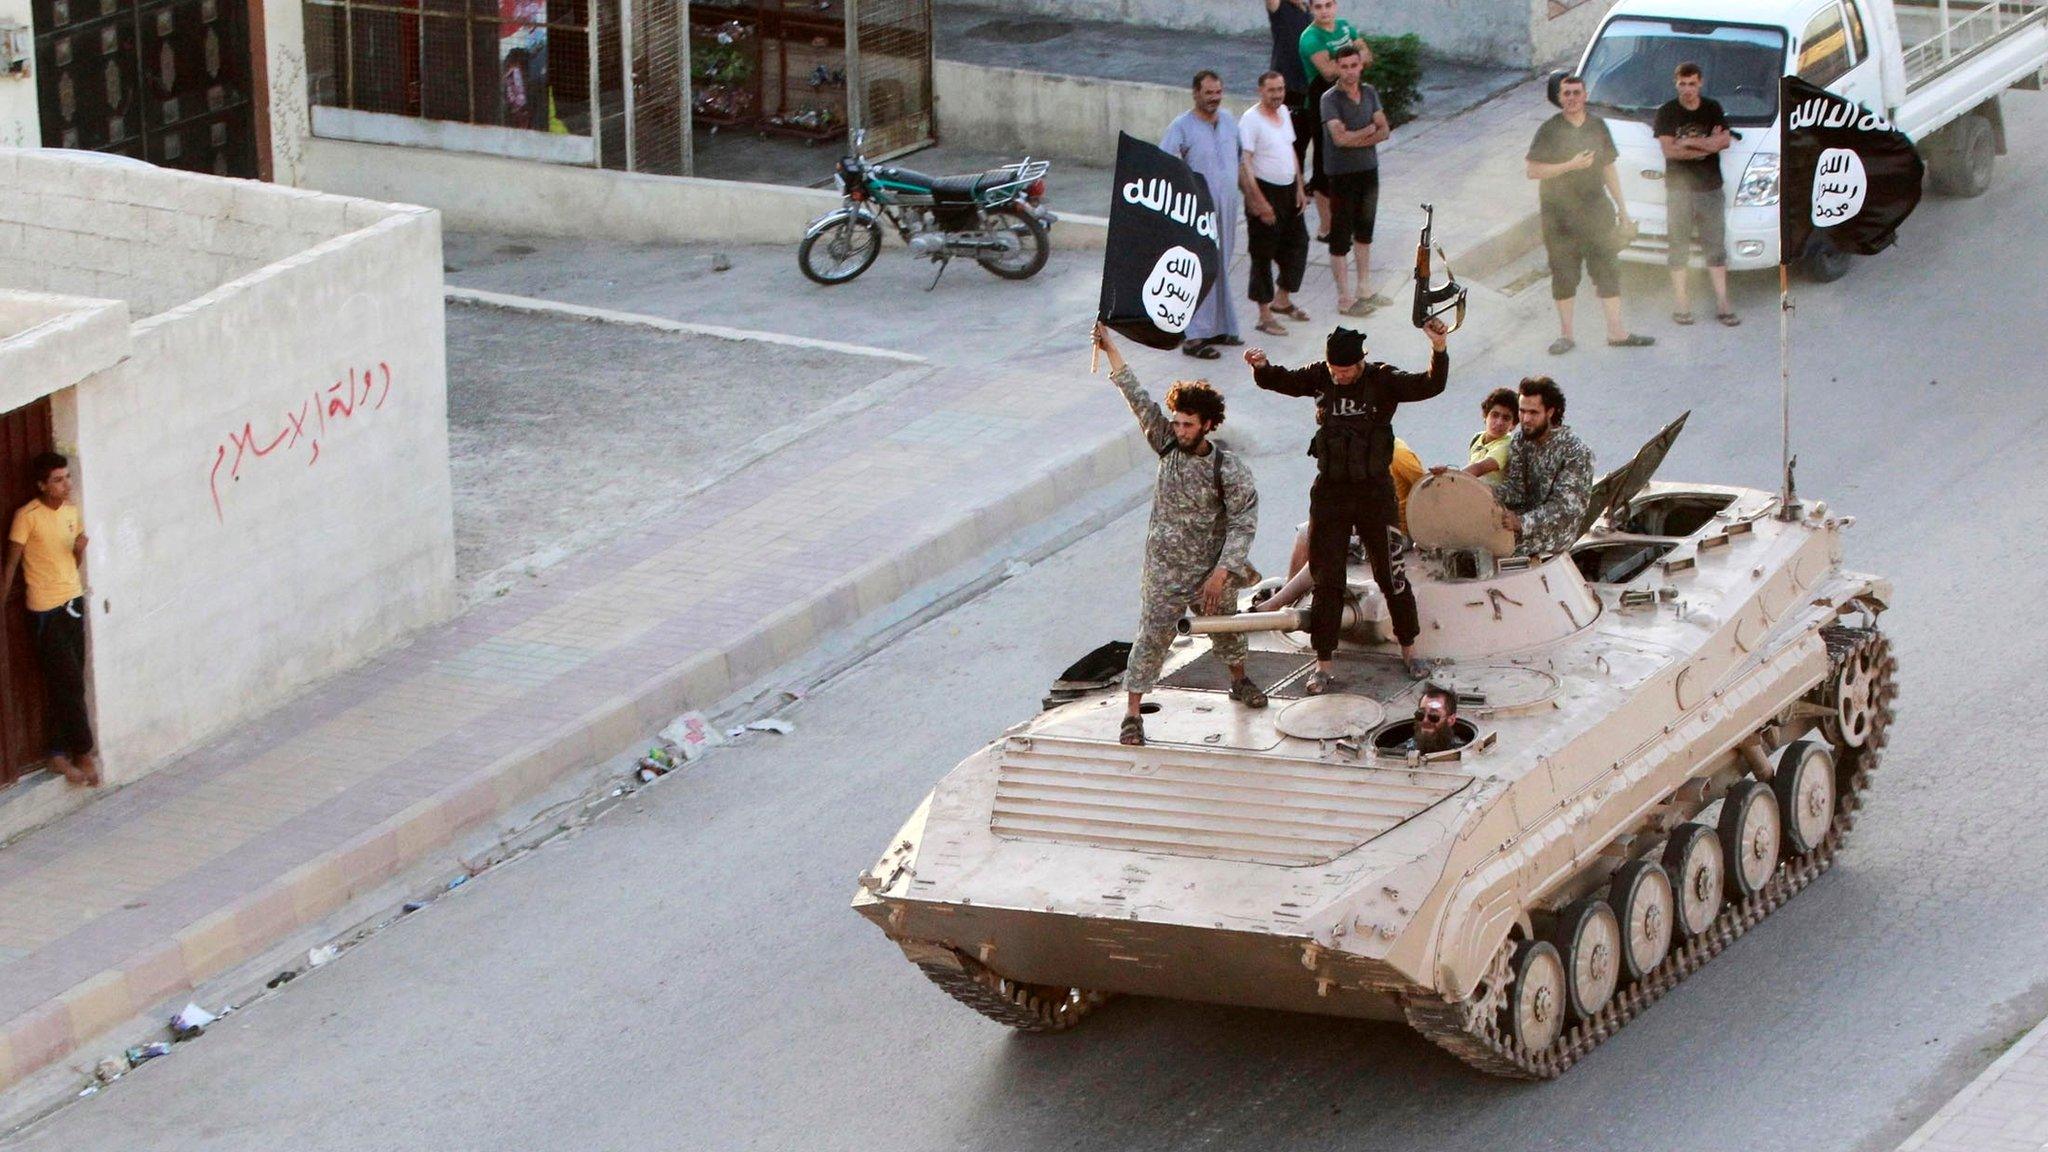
(710, 88)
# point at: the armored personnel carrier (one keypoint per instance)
(1662, 735)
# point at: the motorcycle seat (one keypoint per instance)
(948, 187)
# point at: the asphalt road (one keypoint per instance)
(686, 974)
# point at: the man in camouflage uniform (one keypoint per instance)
(1549, 477)
(1205, 511)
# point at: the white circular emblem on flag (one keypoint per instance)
(1173, 289)
(1839, 184)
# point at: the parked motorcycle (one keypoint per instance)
(994, 217)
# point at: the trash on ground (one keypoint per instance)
(691, 735)
(720, 262)
(110, 1069)
(147, 1052)
(412, 906)
(321, 955)
(88, 1090)
(281, 979)
(190, 1021)
(458, 882)
(775, 724)
(1015, 568)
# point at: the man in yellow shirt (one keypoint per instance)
(47, 542)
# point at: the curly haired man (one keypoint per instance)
(1205, 511)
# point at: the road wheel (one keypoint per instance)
(842, 250)
(1805, 787)
(1964, 167)
(1750, 837)
(1856, 697)
(1641, 895)
(1692, 857)
(1824, 263)
(1536, 998)
(1034, 243)
(1589, 935)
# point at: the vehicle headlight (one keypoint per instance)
(1759, 185)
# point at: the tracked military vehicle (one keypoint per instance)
(1663, 734)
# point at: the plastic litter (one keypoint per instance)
(720, 262)
(321, 955)
(458, 882)
(775, 724)
(147, 1052)
(110, 1069)
(190, 1021)
(691, 735)
(412, 906)
(281, 979)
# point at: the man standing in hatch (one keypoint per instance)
(47, 542)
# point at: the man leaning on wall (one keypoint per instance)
(46, 540)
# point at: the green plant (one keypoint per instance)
(717, 63)
(1396, 73)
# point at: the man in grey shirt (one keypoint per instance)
(1354, 125)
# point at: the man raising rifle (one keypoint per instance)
(1353, 446)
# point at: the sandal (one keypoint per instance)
(1377, 301)
(1133, 731)
(1728, 319)
(1561, 345)
(1200, 350)
(1319, 683)
(1247, 693)
(1632, 341)
(1292, 312)
(1227, 340)
(1681, 318)
(1271, 327)
(1356, 308)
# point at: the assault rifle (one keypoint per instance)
(1433, 302)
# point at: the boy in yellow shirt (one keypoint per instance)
(47, 542)
(1487, 455)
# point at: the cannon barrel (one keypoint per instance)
(1285, 620)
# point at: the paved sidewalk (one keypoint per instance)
(2003, 1110)
(125, 907)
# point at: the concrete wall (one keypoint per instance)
(492, 193)
(1071, 117)
(1512, 32)
(265, 478)
(148, 236)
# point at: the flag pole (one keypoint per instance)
(1787, 496)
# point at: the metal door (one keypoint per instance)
(168, 81)
(24, 432)
(889, 73)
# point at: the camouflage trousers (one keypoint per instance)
(1164, 600)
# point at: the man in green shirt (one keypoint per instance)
(1319, 43)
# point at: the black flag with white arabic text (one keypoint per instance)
(1160, 258)
(1847, 174)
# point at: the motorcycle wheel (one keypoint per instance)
(1035, 243)
(841, 252)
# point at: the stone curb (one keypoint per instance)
(155, 980)
(1985, 1079)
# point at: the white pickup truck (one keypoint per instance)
(1935, 69)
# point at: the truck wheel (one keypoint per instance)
(1824, 263)
(1963, 168)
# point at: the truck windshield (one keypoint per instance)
(1628, 72)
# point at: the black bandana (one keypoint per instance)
(1344, 348)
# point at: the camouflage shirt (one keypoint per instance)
(1192, 531)
(1547, 484)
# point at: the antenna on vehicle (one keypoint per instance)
(1788, 496)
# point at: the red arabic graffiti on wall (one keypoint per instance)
(301, 428)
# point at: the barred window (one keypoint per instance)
(503, 63)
